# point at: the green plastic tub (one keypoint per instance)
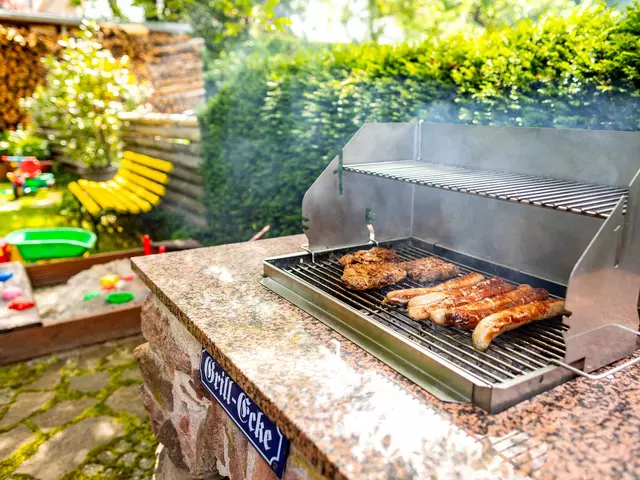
(46, 243)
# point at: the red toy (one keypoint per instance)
(20, 304)
(28, 177)
(5, 253)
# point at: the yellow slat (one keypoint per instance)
(128, 196)
(154, 163)
(87, 202)
(116, 192)
(143, 182)
(99, 191)
(146, 172)
(150, 197)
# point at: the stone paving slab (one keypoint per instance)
(92, 424)
(89, 383)
(68, 448)
(24, 405)
(127, 399)
(62, 413)
(14, 439)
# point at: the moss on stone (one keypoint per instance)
(138, 434)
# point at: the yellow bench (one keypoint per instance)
(138, 186)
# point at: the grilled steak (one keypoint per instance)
(493, 325)
(457, 297)
(468, 316)
(375, 255)
(403, 296)
(362, 276)
(430, 269)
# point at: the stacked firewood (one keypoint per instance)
(171, 63)
(176, 72)
(20, 71)
(124, 40)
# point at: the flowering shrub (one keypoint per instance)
(85, 90)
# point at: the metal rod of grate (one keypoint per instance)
(513, 354)
(575, 197)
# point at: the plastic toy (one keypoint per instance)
(21, 304)
(5, 253)
(146, 245)
(28, 176)
(119, 297)
(4, 275)
(47, 243)
(109, 281)
(91, 295)
(129, 277)
(11, 293)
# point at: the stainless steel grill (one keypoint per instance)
(399, 185)
(516, 353)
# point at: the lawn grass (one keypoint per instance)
(45, 209)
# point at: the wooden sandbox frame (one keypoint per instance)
(34, 341)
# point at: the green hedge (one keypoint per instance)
(277, 123)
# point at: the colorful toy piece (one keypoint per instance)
(11, 293)
(5, 253)
(119, 297)
(21, 304)
(91, 295)
(108, 282)
(4, 276)
(129, 277)
(28, 176)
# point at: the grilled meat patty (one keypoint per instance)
(457, 297)
(493, 325)
(375, 255)
(366, 276)
(403, 296)
(430, 269)
(468, 316)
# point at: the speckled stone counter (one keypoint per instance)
(351, 416)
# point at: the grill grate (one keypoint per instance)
(574, 197)
(512, 354)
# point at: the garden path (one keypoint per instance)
(76, 415)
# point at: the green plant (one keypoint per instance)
(25, 143)
(86, 88)
(280, 119)
(4, 144)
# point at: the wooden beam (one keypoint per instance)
(60, 271)
(28, 343)
(171, 119)
(189, 161)
(195, 219)
(130, 139)
(178, 199)
(188, 133)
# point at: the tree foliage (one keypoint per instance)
(85, 90)
(280, 119)
(219, 22)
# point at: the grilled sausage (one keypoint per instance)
(468, 316)
(493, 325)
(403, 296)
(457, 297)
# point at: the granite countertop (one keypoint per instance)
(354, 417)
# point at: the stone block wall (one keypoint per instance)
(199, 440)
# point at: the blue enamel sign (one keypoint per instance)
(263, 434)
